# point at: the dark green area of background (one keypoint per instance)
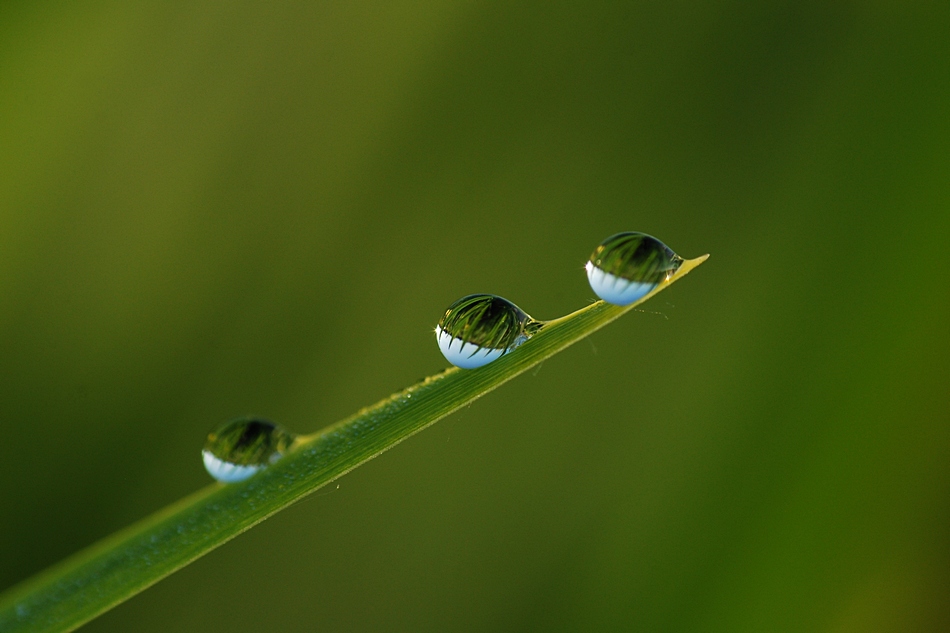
(215, 209)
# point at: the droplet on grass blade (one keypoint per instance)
(236, 450)
(477, 329)
(627, 266)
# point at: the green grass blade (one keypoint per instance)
(115, 569)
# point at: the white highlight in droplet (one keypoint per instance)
(465, 355)
(226, 472)
(614, 289)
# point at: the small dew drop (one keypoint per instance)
(627, 266)
(477, 329)
(237, 449)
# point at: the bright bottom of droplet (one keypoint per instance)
(465, 355)
(226, 472)
(616, 290)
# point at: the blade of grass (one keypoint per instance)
(80, 588)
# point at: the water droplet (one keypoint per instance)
(478, 329)
(237, 449)
(627, 266)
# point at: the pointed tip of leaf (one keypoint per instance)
(689, 265)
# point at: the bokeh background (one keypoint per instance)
(214, 209)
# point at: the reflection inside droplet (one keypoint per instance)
(480, 328)
(627, 266)
(236, 450)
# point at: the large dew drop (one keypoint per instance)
(478, 329)
(236, 450)
(627, 266)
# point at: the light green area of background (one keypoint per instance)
(209, 210)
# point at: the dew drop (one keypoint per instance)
(237, 449)
(627, 266)
(477, 329)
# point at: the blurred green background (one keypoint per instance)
(214, 209)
